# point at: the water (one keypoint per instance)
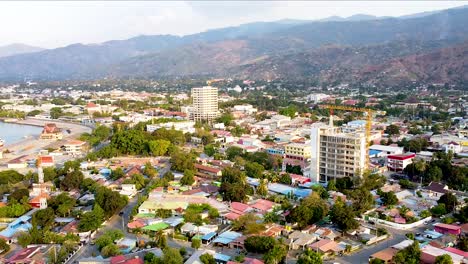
(13, 133)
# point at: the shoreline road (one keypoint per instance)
(31, 146)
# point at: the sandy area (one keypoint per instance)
(31, 146)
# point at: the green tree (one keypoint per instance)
(56, 112)
(207, 259)
(438, 210)
(343, 215)
(392, 130)
(434, 173)
(462, 243)
(72, 180)
(408, 255)
(161, 239)
(232, 152)
(196, 243)
(117, 173)
(169, 176)
(388, 198)
(310, 210)
(44, 218)
(233, 185)
(188, 178)
(450, 201)
(110, 250)
(443, 259)
(259, 244)
(254, 170)
(276, 255)
(262, 188)
(363, 200)
(209, 150)
(310, 257)
(149, 170)
(248, 224)
(18, 194)
(110, 201)
(91, 220)
(159, 147)
(4, 247)
(172, 256)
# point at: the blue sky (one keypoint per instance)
(60, 23)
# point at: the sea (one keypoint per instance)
(13, 133)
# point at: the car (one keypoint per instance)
(121, 213)
(418, 234)
(372, 222)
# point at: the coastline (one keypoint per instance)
(32, 145)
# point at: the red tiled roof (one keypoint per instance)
(457, 251)
(402, 156)
(447, 226)
(241, 207)
(207, 168)
(232, 216)
(24, 255)
(47, 159)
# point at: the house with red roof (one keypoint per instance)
(46, 161)
(447, 229)
(124, 260)
(207, 170)
(51, 132)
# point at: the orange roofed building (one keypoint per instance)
(51, 132)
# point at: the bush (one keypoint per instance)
(196, 243)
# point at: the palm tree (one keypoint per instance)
(421, 166)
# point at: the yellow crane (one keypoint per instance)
(370, 113)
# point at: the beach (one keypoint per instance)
(31, 146)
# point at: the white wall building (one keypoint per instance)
(184, 126)
(335, 154)
(205, 103)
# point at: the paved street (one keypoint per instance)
(362, 256)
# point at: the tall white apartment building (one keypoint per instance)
(336, 154)
(205, 103)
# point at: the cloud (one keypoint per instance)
(55, 23)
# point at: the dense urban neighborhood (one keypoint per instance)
(234, 171)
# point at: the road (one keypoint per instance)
(363, 255)
(120, 222)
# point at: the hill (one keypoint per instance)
(17, 48)
(325, 50)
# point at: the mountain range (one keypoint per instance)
(427, 47)
(17, 48)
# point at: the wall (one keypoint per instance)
(400, 226)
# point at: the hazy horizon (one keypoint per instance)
(58, 24)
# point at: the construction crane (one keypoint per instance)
(370, 113)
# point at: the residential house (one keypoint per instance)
(327, 247)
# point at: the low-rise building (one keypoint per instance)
(51, 132)
(74, 147)
(400, 161)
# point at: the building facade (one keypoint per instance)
(205, 103)
(296, 154)
(400, 161)
(336, 154)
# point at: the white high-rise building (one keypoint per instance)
(205, 103)
(336, 154)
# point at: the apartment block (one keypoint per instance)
(336, 154)
(296, 154)
(205, 103)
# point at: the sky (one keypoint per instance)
(60, 23)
